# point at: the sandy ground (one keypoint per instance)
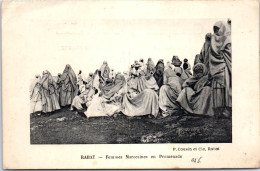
(66, 127)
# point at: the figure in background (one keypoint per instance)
(141, 62)
(35, 95)
(58, 87)
(105, 70)
(186, 67)
(68, 82)
(196, 97)
(84, 96)
(50, 101)
(112, 74)
(158, 75)
(150, 67)
(220, 68)
(125, 73)
(110, 89)
(169, 92)
(197, 59)
(204, 53)
(176, 61)
(81, 78)
(97, 81)
(229, 23)
(131, 70)
(145, 79)
(89, 82)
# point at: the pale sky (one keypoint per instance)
(85, 42)
(85, 45)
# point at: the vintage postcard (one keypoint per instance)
(130, 84)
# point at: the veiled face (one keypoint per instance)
(45, 72)
(219, 28)
(199, 70)
(208, 37)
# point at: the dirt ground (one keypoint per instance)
(66, 127)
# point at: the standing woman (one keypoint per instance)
(150, 67)
(105, 70)
(158, 75)
(68, 81)
(220, 68)
(35, 95)
(204, 53)
(50, 101)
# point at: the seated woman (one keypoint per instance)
(169, 91)
(35, 95)
(140, 104)
(196, 96)
(111, 88)
(146, 81)
(158, 75)
(81, 99)
(101, 106)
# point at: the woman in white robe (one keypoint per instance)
(196, 97)
(100, 106)
(146, 81)
(35, 95)
(50, 101)
(140, 104)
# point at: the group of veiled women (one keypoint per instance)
(146, 89)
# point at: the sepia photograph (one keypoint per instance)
(155, 90)
(130, 84)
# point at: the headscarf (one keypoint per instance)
(34, 83)
(176, 61)
(199, 79)
(150, 66)
(221, 38)
(68, 72)
(158, 75)
(197, 59)
(204, 53)
(159, 66)
(47, 81)
(105, 70)
(82, 77)
(48, 84)
(199, 70)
